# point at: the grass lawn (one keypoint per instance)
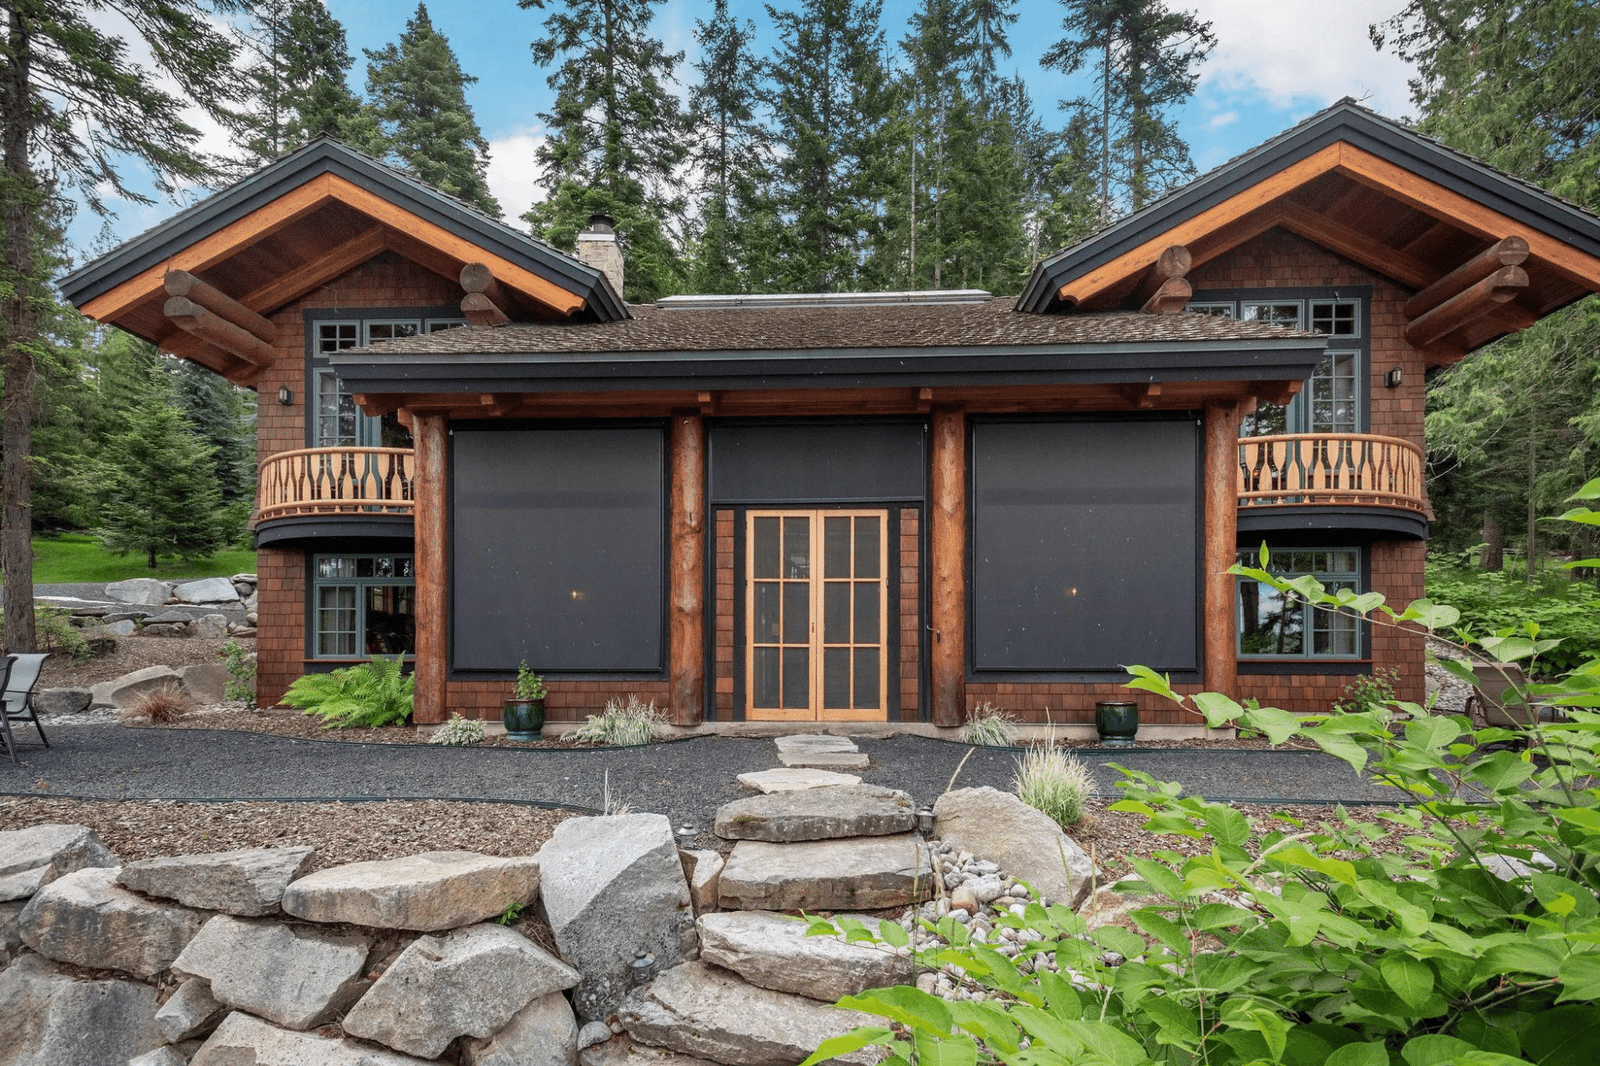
(76, 557)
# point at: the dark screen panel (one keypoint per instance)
(557, 549)
(1084, 545)
(818, 462)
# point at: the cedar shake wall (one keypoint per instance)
(569, 701)
(910, 613)
(281, 610)
(1041, 703)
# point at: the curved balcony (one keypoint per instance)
(312, 492)
(1357, 481)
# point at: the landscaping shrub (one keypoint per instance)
(54, 633)
(1490, 602)
(241, 667)
(989, 727)
(1050, 780)
(620, 724)
(369, 694)
(1367, 692)
(458, 731)
(164, 704)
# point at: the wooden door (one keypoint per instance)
(817, 623)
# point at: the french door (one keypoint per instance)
(816, 615)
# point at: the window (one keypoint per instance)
(363, 605)
(1333, 401)
(1274, 625)
(336, 422)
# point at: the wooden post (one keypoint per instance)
(431, 495)
(686, 617)
(947, 570)
(1220, 655)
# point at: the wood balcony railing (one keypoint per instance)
(1332, 470)
(322, 481)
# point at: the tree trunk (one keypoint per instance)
(1493, 555)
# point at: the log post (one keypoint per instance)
(216, 330)
(431, 495)
(1220, 655)
(485, 301)
(213, 299)
(686, 618)
(947, 570)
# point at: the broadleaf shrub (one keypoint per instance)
(369, 694)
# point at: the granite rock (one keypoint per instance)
(431, 892)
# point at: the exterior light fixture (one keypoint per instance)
(1393, 378)
(285, 395)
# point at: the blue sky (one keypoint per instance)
(1276, 62)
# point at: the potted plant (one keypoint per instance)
(1117, 722)
(524, 711)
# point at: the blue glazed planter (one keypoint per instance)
(523, 719)
(1117, 723)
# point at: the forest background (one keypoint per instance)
(843, 155)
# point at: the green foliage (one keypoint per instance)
(1051, 780)
(510, 915)
(620, 724)
(73, 557)
(530, 686)
(54, 633)
(1494, 601)
(370, 694)
(460, 732)
(241, 667)
(1365, 692)
(989, 727)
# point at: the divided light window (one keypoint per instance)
(1272, 625)
(1333, 401)
(337, 422)
(363, 605)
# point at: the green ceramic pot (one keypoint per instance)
(1117, 721)
(523, 719)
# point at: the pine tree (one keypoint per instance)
(418, 94)
(832, 107)
(222, 416)
(617, 137)
(159, 485)
(1145, 56)
(986, 24)
(73, 108)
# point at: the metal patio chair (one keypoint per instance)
(22, 675)
(1495, 701)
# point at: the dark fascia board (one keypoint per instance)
(307, 529)
(327, 156)
(1386, 522)
(1343, 122)
(1020, 365)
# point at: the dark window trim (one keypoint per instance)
(1306, 667)
(1306, 664)
(309, 556)
(314, 361)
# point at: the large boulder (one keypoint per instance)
(210, 626)
(544, 1033)
(297, 977)
(428, 893)
(245, 1041)
(699, 1010)
(206, 683)
(818, 814)
(614, 886)
(122, 691)
(52, 1018)
(865, 873)
(144, 591)
(773, 951)
(189, 1012)
(52, 701)
(467, 983)
(1024, 842)
(33, 857)
(248, 882)
(207, 590)
(87, 919)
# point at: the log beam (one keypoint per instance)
(1172, 297)
(1278, 392)
(432, 560)
(1467, 305)
(477, 277)
(215, 330)
(213, 299)
(1143, 394)
(686, 619)
(486, 302)
(947, 550)
(1512, 251)
(1220, 655)
(481, 311)
(1171, 265)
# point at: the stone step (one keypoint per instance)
(833, 812)
(700, 1010)
(860, 873)
(785, 779)
(773, 951)
(813, 742)
(818, 751)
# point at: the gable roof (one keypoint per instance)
(313, 214)
(1399, 204)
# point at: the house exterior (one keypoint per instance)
(851, 507)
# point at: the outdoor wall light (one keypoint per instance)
(1393, 378)
(285, 395)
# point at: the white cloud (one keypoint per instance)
(513, 173)
(1226, 118)
(1303, 52)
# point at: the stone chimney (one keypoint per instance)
(598, 248)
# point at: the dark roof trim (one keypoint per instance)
(1343, 122)
(1387, 522)
(1019, 365)
(308, 529)
(325, 155)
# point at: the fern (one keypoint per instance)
(371, 694)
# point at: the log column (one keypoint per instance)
(686, 619)
(947, 570)
(431, 495)
(1220, 663)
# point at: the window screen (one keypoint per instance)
(557, 549)
(1084, 548)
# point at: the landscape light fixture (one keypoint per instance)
(1393, 378)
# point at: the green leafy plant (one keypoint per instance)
(1366, 691)
(1048, 779)
(55, 633)
(620, 724)
(458, 731)
(369, 694)
(990, 727)
(510, 915)
(241, 667)
(530, 686)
